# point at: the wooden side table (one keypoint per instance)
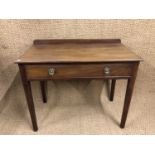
(78, 59)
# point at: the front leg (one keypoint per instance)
(128, 96)
(29, 98)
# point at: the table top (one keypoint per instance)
(78, 51)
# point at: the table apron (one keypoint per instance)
(79, 71)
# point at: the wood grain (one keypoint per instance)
(76, 51)
(78, 59)
(29, 97)
(63, 71)
(128, 95)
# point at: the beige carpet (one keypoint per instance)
(79, 107)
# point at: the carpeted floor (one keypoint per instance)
(80, 107)
(77, 107)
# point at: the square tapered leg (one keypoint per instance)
(112, 91)
(29, 98)
(43, 86)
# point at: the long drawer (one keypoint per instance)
(71, 71)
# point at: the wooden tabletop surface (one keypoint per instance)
(89, 51)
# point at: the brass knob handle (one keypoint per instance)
(51, 71)
(106, 70)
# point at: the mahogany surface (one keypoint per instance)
(76, 52)
(78, 59)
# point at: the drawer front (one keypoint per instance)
(69, 71)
